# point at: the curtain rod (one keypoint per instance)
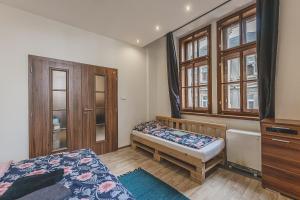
(215, 8)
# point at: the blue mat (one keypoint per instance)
(144, 186)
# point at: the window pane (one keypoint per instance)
(250, 26)
(100, 133)
(59, 120)
(190, 98)
(100, 83)
(232, 96)
(201, 97)
(202, 47)
(189, 51)
(201, 75)
(100, 101)
(59, 80)
(231, 36)
(59, 100)
(252, 96)
(251, 67)
(59, 139)
(190, 76)
(100, 116)
(232, 70)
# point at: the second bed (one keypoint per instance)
(197, 156)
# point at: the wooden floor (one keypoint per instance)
(220, 184)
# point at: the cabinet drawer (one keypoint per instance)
(281, 147)
(281, 163)
(283, 181)
(264, 129)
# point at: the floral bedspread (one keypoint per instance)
(84, 174)
(185, 138)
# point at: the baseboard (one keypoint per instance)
(123, 147)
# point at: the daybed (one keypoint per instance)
(197, 161)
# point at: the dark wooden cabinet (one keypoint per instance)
(281, 156)
(71, 106)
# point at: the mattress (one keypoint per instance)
(205, 154)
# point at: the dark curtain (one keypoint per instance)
(267, 36)
(173, 76)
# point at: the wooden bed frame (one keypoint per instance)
(195, 165)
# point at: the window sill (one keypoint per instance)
(241, 117)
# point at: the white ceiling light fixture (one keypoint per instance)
(157, 27)
(137, 41)
(188, 8)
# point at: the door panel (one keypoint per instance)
(99, 108)
(87, 105)
(71, 106)
(112, 107)
(55, 107)
(38, 107)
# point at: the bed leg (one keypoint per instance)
(133, 146)
(199, 174)
(156, 156)
(224, 158)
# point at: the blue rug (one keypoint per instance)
(144, 186)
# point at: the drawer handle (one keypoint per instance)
(278, 140)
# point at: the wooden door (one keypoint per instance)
(55, 121)
(99, 108)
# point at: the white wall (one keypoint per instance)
(158, 92)
(288, 68)
(21, 34)
(159, 102)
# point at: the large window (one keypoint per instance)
(237, 70)
(195, 72)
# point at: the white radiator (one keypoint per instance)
(244, 148)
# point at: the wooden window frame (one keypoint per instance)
(239, 17)
(192, 63)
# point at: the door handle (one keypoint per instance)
(87, 109)
(278, 140)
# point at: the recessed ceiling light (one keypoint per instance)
(157, 28)
(187, 7)
(137, 41)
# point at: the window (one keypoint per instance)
(237, 70)
(195, 71)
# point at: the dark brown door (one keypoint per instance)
(99, 108)
(55, 113)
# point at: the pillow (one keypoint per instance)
(149, 126)
(4, 168)
(180, 133)
(29, 184)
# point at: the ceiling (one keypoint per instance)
(125, 20)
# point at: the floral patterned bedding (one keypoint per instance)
(84, 174)
(185, 138)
